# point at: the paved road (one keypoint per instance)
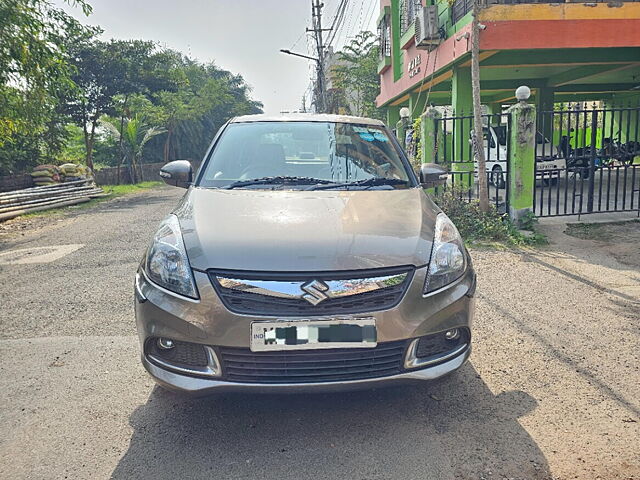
(552, 390)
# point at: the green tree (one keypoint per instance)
(105, 70)
(133, 138)
(356, 76)
(206, 98)
(34, 75)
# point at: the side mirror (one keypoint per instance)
(432, 175)
(178, 173)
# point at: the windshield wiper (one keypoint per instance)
(279, 179)
(369, 182)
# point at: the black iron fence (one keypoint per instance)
(459, 8)
(408, 11)
(455, 149)
(587, 161)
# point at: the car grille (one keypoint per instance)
(312, 366)
(249, 303)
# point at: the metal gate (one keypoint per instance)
(587, 161)
(455, 150)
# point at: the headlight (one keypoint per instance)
(167, 263)
(447, 255)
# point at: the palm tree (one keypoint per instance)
(135, 135)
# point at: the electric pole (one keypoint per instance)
(316, 22)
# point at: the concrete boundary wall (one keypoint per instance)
(150, 172)
(105, 176)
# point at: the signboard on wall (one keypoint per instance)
(414, 66)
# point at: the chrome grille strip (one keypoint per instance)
(301, 289)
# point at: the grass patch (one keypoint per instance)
(487, 229)
(113, 191)
(119, 190)
(601, 231)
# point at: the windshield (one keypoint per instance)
(304, 154)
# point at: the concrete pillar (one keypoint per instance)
(521, 160)
(417, 102)
(393, 115)
(494, 109)
(544, 103)
(461, 99)
(431, 137)
(545, 99)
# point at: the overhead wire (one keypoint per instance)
(361, 17)
(370, 16)
(337, 22)
(348, 26)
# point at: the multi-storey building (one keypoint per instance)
(564, 51)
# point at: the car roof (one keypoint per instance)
(307, 117)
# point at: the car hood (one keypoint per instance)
(292, 230)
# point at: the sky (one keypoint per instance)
(242, 36)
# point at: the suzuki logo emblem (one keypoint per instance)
(315, 291)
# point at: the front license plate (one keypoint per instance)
(313, 334)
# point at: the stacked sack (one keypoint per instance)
(72, 172)
(45, 175)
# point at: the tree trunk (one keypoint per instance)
(124, 108)
(477, 109)
(132, 171)
(86, 140)
(119, 168)
(167, 145)
(89, 142)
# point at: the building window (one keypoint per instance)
(384, 35)
(459, 9)
(408, 12)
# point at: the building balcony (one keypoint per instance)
(572, 49)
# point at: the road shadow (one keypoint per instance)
(452, 428)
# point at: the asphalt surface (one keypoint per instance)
(552, 389)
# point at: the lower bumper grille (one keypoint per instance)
(312, 366)
(185, 354)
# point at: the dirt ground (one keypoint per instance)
(552, 390)
(618, 239)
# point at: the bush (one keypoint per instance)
(476, 226)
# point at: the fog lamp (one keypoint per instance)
(165, 343)
(452, 334)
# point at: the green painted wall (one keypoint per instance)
(624, 122)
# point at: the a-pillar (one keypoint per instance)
(461, 99)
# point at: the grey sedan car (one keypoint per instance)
(304, 255)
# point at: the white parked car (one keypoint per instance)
(495, 147)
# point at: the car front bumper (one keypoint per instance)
(205, 386)
(160, 313)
